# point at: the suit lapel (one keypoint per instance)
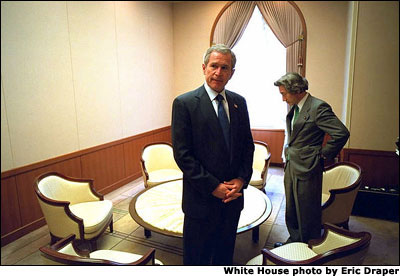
(289, 117)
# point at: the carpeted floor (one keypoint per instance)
(129, 236)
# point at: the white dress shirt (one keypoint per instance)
(213, 94)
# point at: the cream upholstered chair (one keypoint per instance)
(67, 252)
(72, 206)
(337, 246)
(158, 164)
(340, 184)
(261, 160)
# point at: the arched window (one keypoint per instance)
(255, 76)
(256, 71)
(283, 17)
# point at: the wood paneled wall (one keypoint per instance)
(380, 169)
(275, 139)
(115, 164)
(111, 166)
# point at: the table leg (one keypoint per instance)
(255, 234)
(147, 233)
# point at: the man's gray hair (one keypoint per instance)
(293, 82)
(220, 48)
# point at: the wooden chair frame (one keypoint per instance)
(334, 192)
(330, 255)
(143, 165)
(67, 210)
(83, 258)
(264, 173)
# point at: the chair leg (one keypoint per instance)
(346, 225)
(111, 226)
(53, 239)
(255, 234)
(93, 245)
(147, 233)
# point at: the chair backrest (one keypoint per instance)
(65, 251)
(341, 247)
(261, 155)
(158, 156)
(340, 175)
(58, 187)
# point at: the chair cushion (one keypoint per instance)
(257, 260)
(296, 251)
(165, 175)
(94, 214)
(333, 240)
(117, 256)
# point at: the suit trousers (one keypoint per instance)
(210, 241)
(303, 205)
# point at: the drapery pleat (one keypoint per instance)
(284, 21)
(233, 22)
(282, 18)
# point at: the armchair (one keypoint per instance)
(158, 164)
(337, 246)
(340, 184)
(71, 205)
(67, 252)
(261, 160)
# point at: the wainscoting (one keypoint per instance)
(115, 164)
(378, 196)
(110, 165)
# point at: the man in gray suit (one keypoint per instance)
(213, 146)
(307, 122)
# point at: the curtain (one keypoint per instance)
(282, 18)
(233, 22)
(286, 24)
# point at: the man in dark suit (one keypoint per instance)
(215, 157)
(307, 122)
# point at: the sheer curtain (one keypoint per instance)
(256, 71)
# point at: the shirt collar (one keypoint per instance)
(302, 101)
(212, 94)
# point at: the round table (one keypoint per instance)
(159, 209)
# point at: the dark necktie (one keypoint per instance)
(223, 119)
(296, 113)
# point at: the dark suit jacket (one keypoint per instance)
(201, 153)
(305, 141)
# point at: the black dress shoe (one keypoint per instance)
(277, 244)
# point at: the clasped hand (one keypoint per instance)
(229, 190)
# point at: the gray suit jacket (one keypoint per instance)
(305, 141)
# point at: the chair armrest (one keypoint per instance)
(271, 258)
(266, 166)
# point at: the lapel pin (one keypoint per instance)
(235, 105)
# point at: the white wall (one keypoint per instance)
(79, 74)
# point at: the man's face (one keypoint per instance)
(218, 71)
(291, 99)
